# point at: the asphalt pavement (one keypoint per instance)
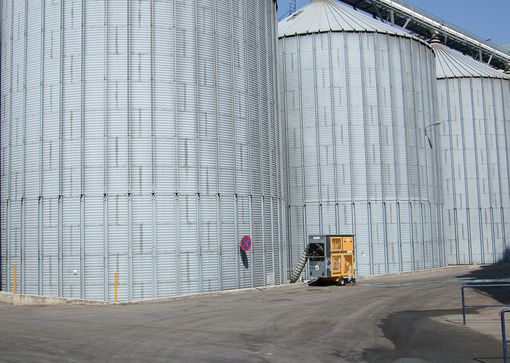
(391, 319)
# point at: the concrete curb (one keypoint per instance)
(421, 272)
(20, 299)
(218, 293)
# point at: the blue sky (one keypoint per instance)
(485, 18)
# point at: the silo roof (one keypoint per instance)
(453, 64)
(331, 16)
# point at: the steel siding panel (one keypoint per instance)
(379, 105)
(478, 180)
(114, 151)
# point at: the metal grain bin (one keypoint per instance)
(139, 137)
(474, 103)
(357, 97)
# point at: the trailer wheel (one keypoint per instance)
(341, 282)
(353, 280)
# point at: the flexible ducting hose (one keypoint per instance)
(294, 276)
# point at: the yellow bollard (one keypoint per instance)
(15, 281)
(115, 287)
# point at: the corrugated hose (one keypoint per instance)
(294, 276)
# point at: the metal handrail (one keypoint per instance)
(504, 340)
(463, 298)
(424, 23)
(467, 33)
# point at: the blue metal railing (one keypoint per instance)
(452, 26)
(504, 340)
(448, 24)
(463, 298)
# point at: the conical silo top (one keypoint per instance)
(453, 64)
(332, 16)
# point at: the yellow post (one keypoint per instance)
(15, 281)
(115, 287)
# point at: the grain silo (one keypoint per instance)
(474, 105)
(139, 138)
(359, 100)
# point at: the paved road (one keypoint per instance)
(381, 320)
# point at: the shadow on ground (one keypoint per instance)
(418, 338)
(498, 273)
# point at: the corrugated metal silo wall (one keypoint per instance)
(355, 107)
(140, 137)
(476, 157)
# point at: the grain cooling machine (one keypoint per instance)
(330, 257)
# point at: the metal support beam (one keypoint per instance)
(406, 23)
(423, 24)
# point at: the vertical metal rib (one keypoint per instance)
(83, 292)
(23, 156)
(177, 247)
(176, 150)
(507, 159)
(452, 167)
(247, 90)
(106, 272)
(333, 130)
(252, 265)
(271, 147)
(218, 171)
(439, 176)
(368, 199)
(60, 152)
(464, 161)
(418, 144)
(3, 286)
(498, 169)
(317, 133)
(477, 170)
(219, 241)
(395, 154)
(405, 148)
(301, 135)
(426, 178)
(261, 149)
(9, 156)
(129, 157)
(273, 257)
(236, 229)
(153, 160)
(234, 160)
(381, 156)
(197, 151)
(284, 124)
(280, 191)
(488, 165)
(248, 113)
